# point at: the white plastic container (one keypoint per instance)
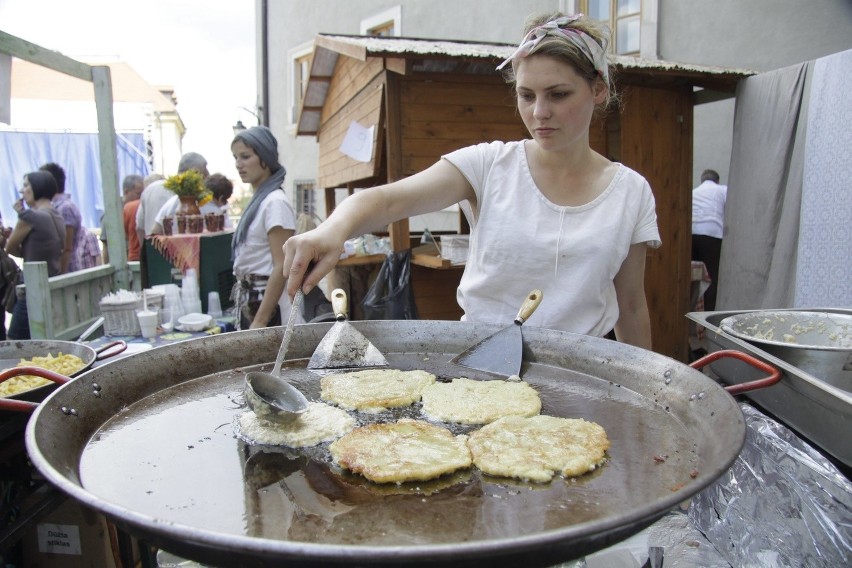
(148, 322)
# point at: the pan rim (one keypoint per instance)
(325, 552)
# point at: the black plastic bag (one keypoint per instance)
(391, 296)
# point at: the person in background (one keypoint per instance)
(38, 236)
(222, 189)
(154, 196)
(708, 221)
(266, 224)
(132, 187)
(8, 277)
(146, 181)
(90, 253)
(74, 237)
(549, 208)
(151, 178)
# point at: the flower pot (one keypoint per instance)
(194, 224)
(188, 206)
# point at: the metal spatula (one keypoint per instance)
(344, 346)
(502, 352)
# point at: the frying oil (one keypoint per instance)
(177, 456)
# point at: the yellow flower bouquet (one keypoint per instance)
(189, 184)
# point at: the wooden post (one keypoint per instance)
(398, 231)
(39, 307)
(113, 219)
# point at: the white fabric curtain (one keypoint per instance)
(824, 267)
(787, 237)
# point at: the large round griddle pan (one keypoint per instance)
(177, 475)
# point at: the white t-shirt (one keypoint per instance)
(708, 209)
(253, 255)
(521, 241)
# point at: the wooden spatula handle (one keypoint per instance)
(339, 303)
(529, 306)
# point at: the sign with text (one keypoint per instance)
(59, 539)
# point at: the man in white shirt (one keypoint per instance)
(708, 221)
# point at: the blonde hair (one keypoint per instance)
(559, 47)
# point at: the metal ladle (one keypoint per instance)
(267, 394)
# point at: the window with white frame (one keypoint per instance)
(304, 190)
(385, 24)
(624, 17)
(300, 71)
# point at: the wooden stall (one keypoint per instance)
(424, 98)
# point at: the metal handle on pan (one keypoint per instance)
(733, 390)
(100, 351)
(24, 405)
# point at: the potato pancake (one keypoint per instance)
(396, 452)
(375, 390)
(319, 423)
(536, 448)
(465, 401)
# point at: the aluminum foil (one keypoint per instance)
(780, 504)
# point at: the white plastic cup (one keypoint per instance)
(191, 306)
(214, 305)
(148, 321)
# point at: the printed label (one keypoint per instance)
(59, 539)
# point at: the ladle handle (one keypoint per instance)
(288, 331)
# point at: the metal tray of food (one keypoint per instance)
(817, 409)
(817, 342)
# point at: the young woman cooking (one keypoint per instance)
(548, 212)
(266, 224)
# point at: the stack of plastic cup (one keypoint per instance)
(189, 293)
(214, 305)
(172, 306)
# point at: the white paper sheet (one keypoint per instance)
(358, 142)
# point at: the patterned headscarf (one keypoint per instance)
(585, 43)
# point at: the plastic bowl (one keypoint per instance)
(195, 322)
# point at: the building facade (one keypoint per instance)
(760, 35)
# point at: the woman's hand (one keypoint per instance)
(19, 206)
(308, 258)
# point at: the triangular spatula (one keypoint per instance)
(344, 346)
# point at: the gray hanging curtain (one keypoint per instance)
(759, 245)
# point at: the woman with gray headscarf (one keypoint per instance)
(266, 224)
